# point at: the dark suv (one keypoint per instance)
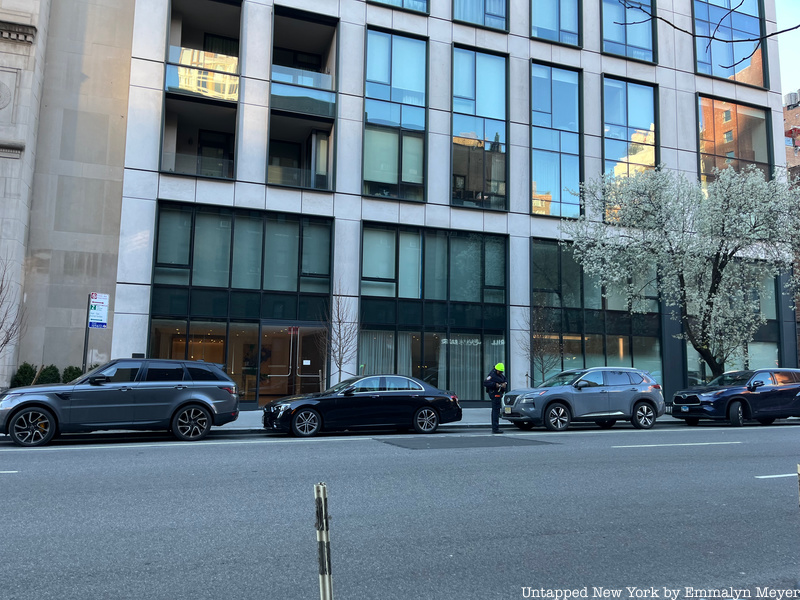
(602, 395)
(763, 395)
(184, 397)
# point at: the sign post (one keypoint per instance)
(96, 317)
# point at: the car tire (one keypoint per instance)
(32, 427)
(306, 422)
(557, 417)
(191, 423)
(736, 414)
(426, 420)
(606, 423)
(644, 417)
(524, 425)
(766, 421)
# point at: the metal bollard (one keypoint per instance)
(322, 524)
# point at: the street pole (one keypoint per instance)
(86, 334)
(322, 525)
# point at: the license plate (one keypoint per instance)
(507, 410)
(684, 409)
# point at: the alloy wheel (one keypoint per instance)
(32, 428)
(193, 423)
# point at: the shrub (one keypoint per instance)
(49, 374)
(71, 373)
(24, 375)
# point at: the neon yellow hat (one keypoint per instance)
(500, 367)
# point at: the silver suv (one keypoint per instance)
(603, 395)
(184, 397)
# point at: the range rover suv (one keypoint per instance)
(762, 394)
(603, 395)
(184, 397)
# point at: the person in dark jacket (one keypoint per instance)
(496, 384)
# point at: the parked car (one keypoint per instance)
(373, 401)
(603, 395)
(184, 397)
(762, 394)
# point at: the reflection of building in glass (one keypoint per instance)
(479, 169)
(791, 127)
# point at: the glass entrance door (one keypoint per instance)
(292, 361)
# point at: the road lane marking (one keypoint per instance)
(7, 472)
(665, 445)
(776, 476)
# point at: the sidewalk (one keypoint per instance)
(250, 420)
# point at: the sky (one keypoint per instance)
(788, 12)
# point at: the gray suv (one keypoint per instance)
(603, 395)
(184, 397)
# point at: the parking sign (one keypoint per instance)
(98, 310)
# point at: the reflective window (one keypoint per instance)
(617, 378)
(555, 20)
(628, 28)
(211, 259)
(418, 5)
(370, 384)
(164, 372)
(394, 133)
(730, 22)
(784, 377)
(479, 130)
(121, 372)
(629, 129)
(764, 378)
(731, 135)
(555, 141)
(491, 13)
(593, 378)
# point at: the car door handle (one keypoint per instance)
(180, 387)
(124, 389)
(375, 396)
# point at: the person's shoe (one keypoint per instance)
(497, 431)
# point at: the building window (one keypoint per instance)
(479, 130)
(489, 13)
(556, 20)
(729, 22)
(394, 131)
(630, 141)
(415, 5)
(628, 28)
(555, 141)
(741, 141)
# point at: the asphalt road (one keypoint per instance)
(455, 515)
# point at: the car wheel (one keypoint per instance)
(32, 427)
(426, 420)
(607, 423)
(766, 421)
(191, 423)
(524, 425)
(736, 414)
(556, 417)
(692, 421)
(644, 417)
(306, 423)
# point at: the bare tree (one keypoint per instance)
(540, 344)
(341, 345)
(12, 313)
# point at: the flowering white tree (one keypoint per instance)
(715, 249)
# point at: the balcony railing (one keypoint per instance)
(320, 81)
(201, 82)
(296, 177)
(199, 59)
(192, 164)
(303, 100)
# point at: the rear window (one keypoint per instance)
(198, 373)
(784, 377)
(617, 378)
(636, 377)
(164, 372)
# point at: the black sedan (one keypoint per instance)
(373, 401)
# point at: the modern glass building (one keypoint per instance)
(402, 165)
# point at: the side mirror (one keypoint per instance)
(582, 384)
(348, 391)
(97, 379)
(756, 384)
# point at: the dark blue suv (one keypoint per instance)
(763, 395)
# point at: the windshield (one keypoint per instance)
(732, 378)
(341, 385)
(565, 378)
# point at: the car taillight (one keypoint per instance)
(655, 386)
(454, 398)
(230, 390)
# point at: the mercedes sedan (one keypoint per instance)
(370, 402)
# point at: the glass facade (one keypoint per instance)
(630, 139)
(417, 5)
(732, 135)
(628, 29)
(730, 22)
(433, 305)
(395, 117)
(556, 20)
(489, 13)
(575, 325)
(479, 130)
(555, 141)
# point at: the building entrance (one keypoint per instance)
(292, 361)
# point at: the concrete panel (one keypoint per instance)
(136, 241)
(214, 192)
(129, 335)
(142, 143)
(140, 184)
(255, 51)
(251, 143)
(250, 195)
(150, 21)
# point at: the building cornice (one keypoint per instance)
(15, 32)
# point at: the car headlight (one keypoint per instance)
(7, 399)
(282, 408)
(529, 398)
(709, 396)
